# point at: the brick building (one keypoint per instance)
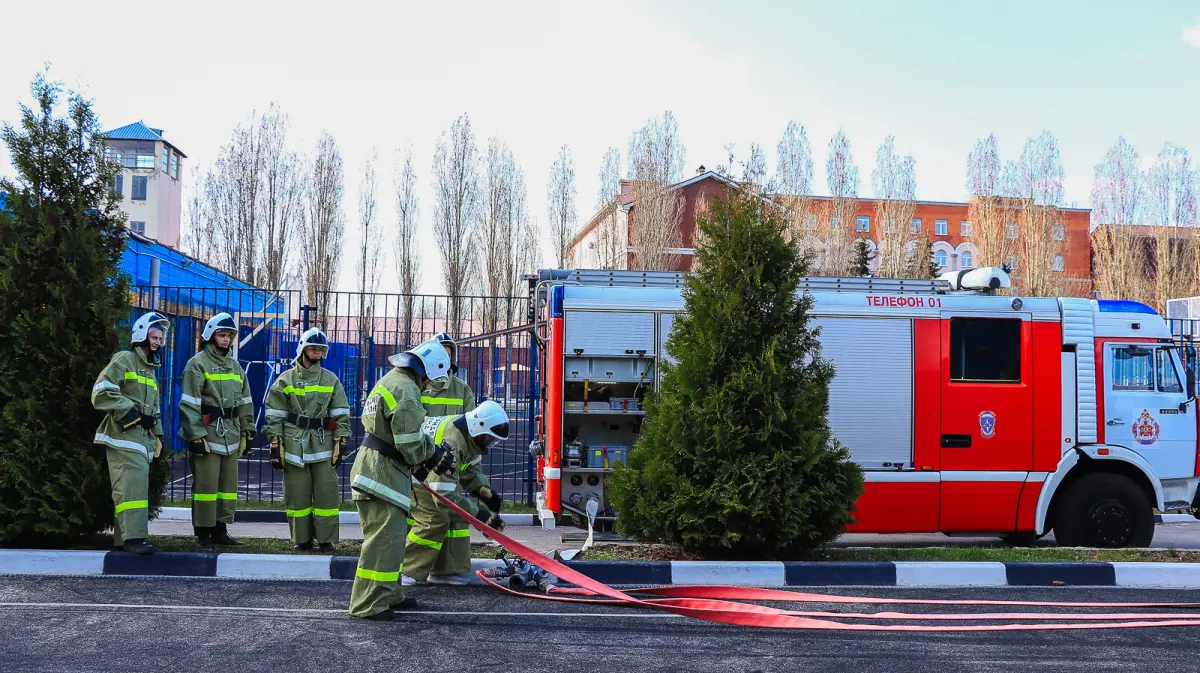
(946, 225)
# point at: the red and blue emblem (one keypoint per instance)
(1146, 429)
(987, 424)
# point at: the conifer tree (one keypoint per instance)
(863, 256)
(736, 457)
(61, 297)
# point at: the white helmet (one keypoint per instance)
(152, 320)
(220, 321)
(428, 359)
(489, 419)
(313, 337)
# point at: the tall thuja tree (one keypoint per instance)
(61, 297)
(736, 457)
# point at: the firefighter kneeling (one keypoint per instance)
(439, 544)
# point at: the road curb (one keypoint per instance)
(279, 516)
(763, 574)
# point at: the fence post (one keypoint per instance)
(304, 310)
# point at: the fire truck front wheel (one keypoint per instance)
(1103, 509)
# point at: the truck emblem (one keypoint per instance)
(1145, 429)
(987, 424)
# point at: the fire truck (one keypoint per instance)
(970, 411)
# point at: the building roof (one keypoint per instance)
(626, 201)
(139, 131)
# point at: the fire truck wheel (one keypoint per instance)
(1104, 510)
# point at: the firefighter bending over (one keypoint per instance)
(439, 544)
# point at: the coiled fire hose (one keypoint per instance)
(719, 603)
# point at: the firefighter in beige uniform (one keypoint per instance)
(131, 433)
(393, 450)
(449, 396)
(308, 422)
(437, 551)
(216, 416)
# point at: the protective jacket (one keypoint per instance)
(307, 407)
(393, 443)
(128, 382)
(215, 404)
(447, 397)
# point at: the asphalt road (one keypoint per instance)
(118, 624)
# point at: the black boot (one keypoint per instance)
(204, 538)
(138, 546)
(302, 546)
(326, 547)
(221, 537)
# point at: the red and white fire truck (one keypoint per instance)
(970, 412)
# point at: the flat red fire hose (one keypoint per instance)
(691, 602)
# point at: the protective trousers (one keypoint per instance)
(129, 473)
(310, 494)
(439, 542)
(377, 579)
(214, 489)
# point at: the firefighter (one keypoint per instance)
(439, 544)
(394, 451)
(131, 432)
(216, 416)
(452, 395)
(308, 423)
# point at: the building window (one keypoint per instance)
(139, 188)
(1058, 263)
(864, 224)
(810, 221)
(833, 223)
(1010, 230)
(143, 161)
(175, 166)
(965, 260)
(118, 186)
(914, 226)
(165, 159)
(939, 258)
(942, 227)
(964, 228)
(1060, 232)
(1012, 262)
(138, 227)
(985, 350)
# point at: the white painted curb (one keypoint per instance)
(1132, 574)
(753, 574)
(51, 562)
(955, 574)
(273, 566)
(344, 518)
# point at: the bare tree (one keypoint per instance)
(280, 201)
(199, 239)
(794, 178)
(611, 236)
(456, 184)
(754, 170)
(405, 244)
(560, 205)
(232, 189)
(505, 245)
(988, 215)
(895, 185)
(657, 226)
(655, 151)
(1036, 184)
(842, 179)
(370, 246)
(1118, 207)
(1173, 214)
(325, 221)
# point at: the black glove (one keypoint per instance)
(197, 447)
(490, 518)
(276, 453)
(442, 460)
(148, 421)
(420, 474)
(490, 498)
(131, 419)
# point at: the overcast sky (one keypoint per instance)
(383, 75)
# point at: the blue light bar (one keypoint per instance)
(1124, 306)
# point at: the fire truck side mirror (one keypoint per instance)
(1191, 382)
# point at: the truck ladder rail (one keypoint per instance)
(860, 284)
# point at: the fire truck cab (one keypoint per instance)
(969, 412)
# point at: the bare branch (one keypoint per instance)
(560, 198)
(895, 185)
(325, 222)
(456, 184)
(655, 151)
(842, 179)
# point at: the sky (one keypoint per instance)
(382, 76)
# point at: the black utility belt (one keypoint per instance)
(212, 413)
(376, 444)
(310, 423)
